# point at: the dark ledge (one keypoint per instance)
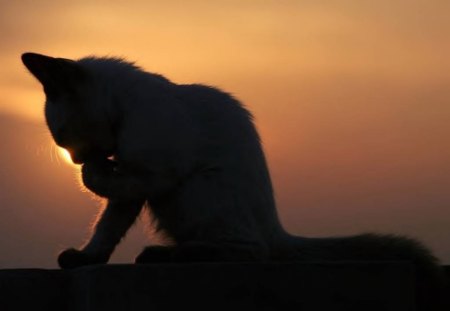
(237, 286)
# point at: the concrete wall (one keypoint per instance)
(202, 286)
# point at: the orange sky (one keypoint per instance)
(352, 99)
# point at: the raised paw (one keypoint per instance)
(73, 258)
(95, 175)
(155, 254)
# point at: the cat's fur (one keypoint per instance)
(189, 153)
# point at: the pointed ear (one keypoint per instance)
(53, 73)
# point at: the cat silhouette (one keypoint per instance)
(190, 154)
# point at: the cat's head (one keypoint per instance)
(75, 109)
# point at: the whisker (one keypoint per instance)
(58, 155)
(52, 150)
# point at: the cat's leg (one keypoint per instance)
(110, 228)
(200, 251)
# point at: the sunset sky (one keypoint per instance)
(351, 97)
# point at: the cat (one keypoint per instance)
(192, 156)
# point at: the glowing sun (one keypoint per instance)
(65, 155)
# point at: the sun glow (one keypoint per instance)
(65, 155)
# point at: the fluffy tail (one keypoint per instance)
(367, 247)
(430, 281)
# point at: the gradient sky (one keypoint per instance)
(352, 99)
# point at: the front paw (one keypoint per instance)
(73, 258)
(95, 175)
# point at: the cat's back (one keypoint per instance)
(208, 99)
(219, 111)
(223, 123)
